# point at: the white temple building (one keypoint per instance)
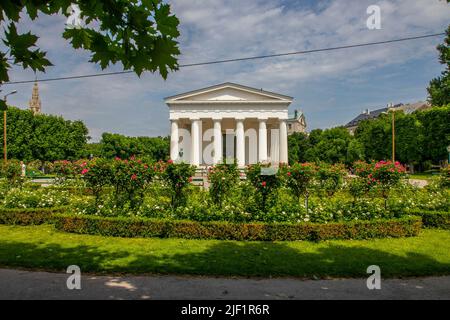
(226, 122)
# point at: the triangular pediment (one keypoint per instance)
(228, 92)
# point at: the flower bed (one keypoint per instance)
(30, 216)
(139, 227)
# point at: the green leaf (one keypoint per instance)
(80, 38)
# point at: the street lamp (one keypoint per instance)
(448, 150)
(5, 157)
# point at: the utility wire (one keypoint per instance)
(238, 59)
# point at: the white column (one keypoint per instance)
(283, 142)
(240, 142)
(174, 138)
(195, 142)
(262, 139)
(217, 141)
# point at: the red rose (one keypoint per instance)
(133, 177)
(263, 183)
(170, 161)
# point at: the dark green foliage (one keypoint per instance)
(34, 216)
(43, 137)
(439, 88)
(138, 227)
(330, 146)
(434, 219)
(117, 145)
(436, 133)
(223, 180)
(420, 136)
(178, 177)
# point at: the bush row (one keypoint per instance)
(140, 227)
(33, 216)
(434, 219)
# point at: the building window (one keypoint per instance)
(290, 126)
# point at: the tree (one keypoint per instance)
(375, 136)
(436, 132)
(141, 35)
(409, 138)
(298, 144)
(439, 88)
(117, 145)
(43, 137)
(355, 151)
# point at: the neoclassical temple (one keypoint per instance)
(229, 121)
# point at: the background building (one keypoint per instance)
(296, 123)
(35, 103)
(367, 114)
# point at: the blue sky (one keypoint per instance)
(330, 88)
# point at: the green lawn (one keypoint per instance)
(42, 247)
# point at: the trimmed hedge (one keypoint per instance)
(434, 219)
(140, 227)
(31, 216)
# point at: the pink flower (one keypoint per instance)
(84, 171)
(133, 177)
(289, 174)
(170, 161)
(263, 183)
(190, 179)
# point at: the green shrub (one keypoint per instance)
(177, 177)
(330, 177)
(137, 227)
(223, 179)
(12, 172)
(33, 216)
(265, 180)
(444, 178)
(434, 219)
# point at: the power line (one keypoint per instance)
(238, 59)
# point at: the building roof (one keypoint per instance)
(229, 84)
(365, 116)
(406, 108)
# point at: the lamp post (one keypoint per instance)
(448, 150)
(5, 157)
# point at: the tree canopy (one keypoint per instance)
(139, 34)
(439, 88)
(420, 137)
(43, 137)
(117, 145)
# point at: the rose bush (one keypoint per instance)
(223, 179)
(265, 181)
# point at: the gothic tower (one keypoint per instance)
(35, 102)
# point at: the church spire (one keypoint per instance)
(35, 102)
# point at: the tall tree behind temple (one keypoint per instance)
(117, 145)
